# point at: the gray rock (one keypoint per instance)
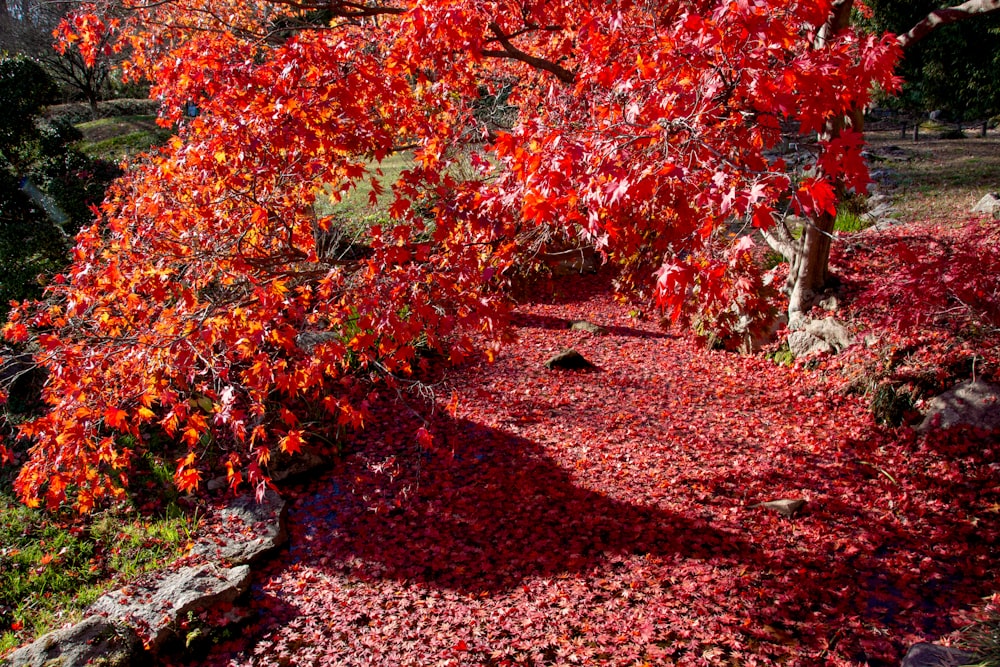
(832, 331)
(251, 530)
(589, 327)
(217, 483)
(990, 205)
(308, 340)
(932, 655)
(826, 336)
(804, 344)
(109, 637)
(829, 304)
(568, 360)
(289, 466)
(788, 507)
(154, 607)
(969, 403)
(94, 640)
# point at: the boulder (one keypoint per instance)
(155, 606)
(568, 360)
(832, 331)
(94, 641)
(972, 403)
(589, 327)
(248, 530)
(989, 205)
(932, 655)
(819, 337)
(804, 344)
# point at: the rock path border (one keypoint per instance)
(142, 618)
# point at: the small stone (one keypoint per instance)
(589, 327)
(829, 304)
(785, 507)
(932, 655)
(568, 360)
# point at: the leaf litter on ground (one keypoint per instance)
(613, 516)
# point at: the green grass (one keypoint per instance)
(116, 138)
(848, 222)
(354, 207)
(54, 565)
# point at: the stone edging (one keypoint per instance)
(141, 618)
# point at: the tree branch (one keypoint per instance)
(946, 15)
(839, 18)
(514, 53)
(780, 240)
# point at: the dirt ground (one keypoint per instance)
(938, 179)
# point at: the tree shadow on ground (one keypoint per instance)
(888, 556)
(526, 320)
(482, 510)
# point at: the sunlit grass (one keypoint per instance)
(53, 565)
(355, 207)
(116, 138)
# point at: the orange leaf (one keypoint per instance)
(115, 418)
(291, 443)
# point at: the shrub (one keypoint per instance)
(46, 187)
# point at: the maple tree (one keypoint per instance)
(211, 301)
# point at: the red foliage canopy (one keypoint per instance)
(202, 301)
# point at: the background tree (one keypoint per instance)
(30, 244)
(27, 27)
(951, 67)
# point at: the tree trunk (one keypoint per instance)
(809, 271)
(809, 256)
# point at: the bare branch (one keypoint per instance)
(514, 53)
(946, 15)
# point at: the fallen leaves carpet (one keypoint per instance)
(608, 517)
